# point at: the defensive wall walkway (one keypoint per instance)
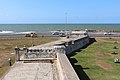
(47, 61)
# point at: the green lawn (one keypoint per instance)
(95, 62)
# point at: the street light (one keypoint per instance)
(32, 39)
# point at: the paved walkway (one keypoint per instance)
(51, 44)
(30, 71)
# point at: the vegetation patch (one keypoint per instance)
(96, 61)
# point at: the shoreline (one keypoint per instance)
(48, 35)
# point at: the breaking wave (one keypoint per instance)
(12, 32)
(6, 32)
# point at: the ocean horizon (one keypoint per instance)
(43, 28)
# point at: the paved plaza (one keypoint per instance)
(30, 71)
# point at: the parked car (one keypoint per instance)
(33, 35)
(107, 33)
(62, 34)
(59, 33)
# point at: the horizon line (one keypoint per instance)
(60, 23)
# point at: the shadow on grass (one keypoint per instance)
(78, 68)
(80, 72)
(117, 62)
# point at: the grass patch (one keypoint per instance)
(7, 47)
(95, 62)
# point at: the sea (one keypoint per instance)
(44, 28)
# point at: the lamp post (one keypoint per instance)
(32, 39)
(66, 18)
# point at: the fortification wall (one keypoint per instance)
(76, 44)
(52, 52)
(64, 67)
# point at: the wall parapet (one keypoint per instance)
(65, 69)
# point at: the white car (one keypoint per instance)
(107, 33)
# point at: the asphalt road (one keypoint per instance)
(21, 36)
(117, 35)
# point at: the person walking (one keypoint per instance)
(10, 61)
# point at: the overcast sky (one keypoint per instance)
(56, 11)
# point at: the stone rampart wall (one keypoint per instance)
(75, 45)
(70, 46)
(64, 67)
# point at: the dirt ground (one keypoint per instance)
(102, 55)
(104, 65)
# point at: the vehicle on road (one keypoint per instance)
(107, 33)
(33, 35)
(59, 33)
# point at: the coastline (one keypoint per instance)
(46, 35)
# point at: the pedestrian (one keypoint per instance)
(10, 61)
